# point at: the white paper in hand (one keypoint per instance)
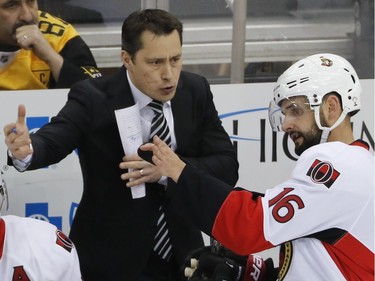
(129, 126)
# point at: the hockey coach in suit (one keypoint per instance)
(115, 234)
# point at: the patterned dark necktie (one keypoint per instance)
(159, 124)
(159, 127)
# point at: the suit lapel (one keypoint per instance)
(180, 104)
(119, 93)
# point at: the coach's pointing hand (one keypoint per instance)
(17, 137)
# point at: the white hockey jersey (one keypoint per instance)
(322, 217)
(34, 250)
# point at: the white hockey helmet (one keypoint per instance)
(3, 194)
(314, 77)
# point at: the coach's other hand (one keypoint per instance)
(164, 157)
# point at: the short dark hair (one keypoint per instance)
(157, 21)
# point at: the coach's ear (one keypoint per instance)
(126, 59)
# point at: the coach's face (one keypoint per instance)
(13, 14)
(156, 67)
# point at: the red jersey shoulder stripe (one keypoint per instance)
(2, 236)
(355, 261)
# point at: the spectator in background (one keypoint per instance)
(40, 51)
(32, 249)
(116, 235)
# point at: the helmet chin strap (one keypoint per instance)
(324, 136)
(327, 130)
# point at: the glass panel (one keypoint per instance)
(278, 32)
(92, 11)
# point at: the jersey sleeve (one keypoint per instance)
(79, 62)
(293, 209)
(239, 224)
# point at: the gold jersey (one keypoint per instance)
(25, 70)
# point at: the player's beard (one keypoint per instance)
(311, 137)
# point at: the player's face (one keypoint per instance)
(13, 14)
(156, 67)
(299, 123)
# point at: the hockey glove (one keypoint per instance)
(202, 264)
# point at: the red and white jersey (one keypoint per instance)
(322, 217)
(34, 250)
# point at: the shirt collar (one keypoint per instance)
(361, 143)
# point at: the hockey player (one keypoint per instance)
(322, 217)
(34, 250)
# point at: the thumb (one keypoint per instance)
(21, 117)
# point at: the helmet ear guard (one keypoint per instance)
(275, 116)
(4, 203)
(314, 77)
